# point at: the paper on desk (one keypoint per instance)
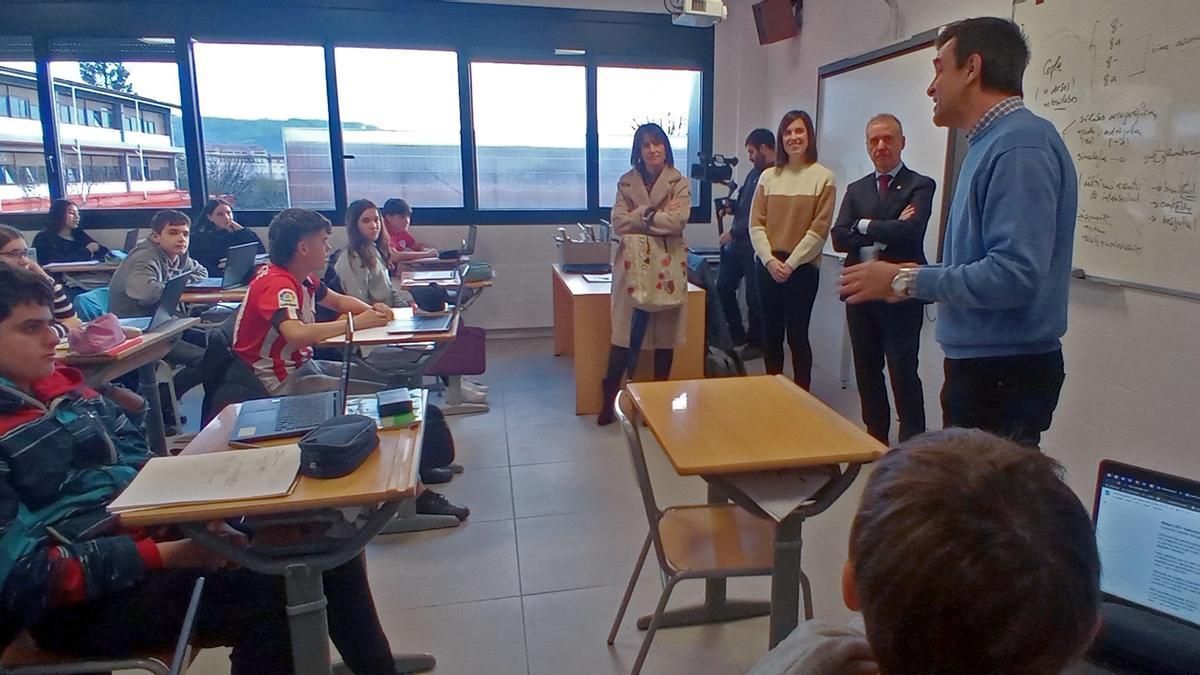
(781, 492)
(598, 278)
(253, 473)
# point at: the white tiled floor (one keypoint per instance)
(531, 582)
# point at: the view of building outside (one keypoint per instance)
(630, 97)
(265, 118)
(530, 135)
(250, 97)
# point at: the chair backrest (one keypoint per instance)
(629, 425)
(91, 304)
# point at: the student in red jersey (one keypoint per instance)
(79, 581)
(397, 218)
(276, 326)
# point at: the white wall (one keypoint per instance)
(1133, 360)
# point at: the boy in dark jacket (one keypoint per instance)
(77, 579)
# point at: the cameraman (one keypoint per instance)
(737, 253)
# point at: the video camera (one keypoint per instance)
(714, 169)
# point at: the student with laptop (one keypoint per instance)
(276, 328)
(216, 232)
(968, 554)
(81, 583)
(137, 287)
(404, 247)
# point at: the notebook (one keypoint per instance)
(253, 473)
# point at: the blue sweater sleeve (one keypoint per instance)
(1017, 235)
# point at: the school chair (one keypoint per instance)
(702, 541)
(23, 657)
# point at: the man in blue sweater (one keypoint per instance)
(1005, 272)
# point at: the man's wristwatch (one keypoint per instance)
(904, 281)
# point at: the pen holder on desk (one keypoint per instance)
(592, 257)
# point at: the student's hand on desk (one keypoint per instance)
(430, 253)
(372, 318)
(908, 213)
(869, 281)
(384, 309)
(93, 247)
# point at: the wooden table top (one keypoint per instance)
(212, 297)
(381, 336)
(168, 331)
(738, 424)
(407, 281)
(387, 474)
(577, 285)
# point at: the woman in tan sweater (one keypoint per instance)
(789, 221)
(652, 198)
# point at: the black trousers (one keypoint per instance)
(1010, 396)
(882, 331)
(787, 309)
(737, 263)
(239, 608)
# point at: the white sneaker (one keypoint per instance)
(477, 386)
(472, 396)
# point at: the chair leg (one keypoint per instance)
(637, 571)
(658, 612)
(807, 589)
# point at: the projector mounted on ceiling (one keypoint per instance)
(696, 13)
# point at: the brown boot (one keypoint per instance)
(608, 409)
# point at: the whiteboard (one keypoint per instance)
(1119, 78)
(848, 98)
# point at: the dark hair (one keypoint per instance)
(971, 555)
(288, 227)
(8, 233)
(760, 137)
(166, 217)
(359, 244)
(810, 153)
(57, 216)
(639, 137)
(22, 287)
(395, 207)
(1001, 47)
(202, 220)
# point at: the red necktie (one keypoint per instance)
(885, 179)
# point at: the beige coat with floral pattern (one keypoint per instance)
(671, 195)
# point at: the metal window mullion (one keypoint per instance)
(193, 129)
(592, 172)
(50, 145)
(466, 117)
(337, 145)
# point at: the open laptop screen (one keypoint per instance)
(1148, 533)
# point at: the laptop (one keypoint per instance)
(131, 240)
(466, 248)
(168, 306)
(1148, 535)
(430, 323)
(284, 416)
(239, 263)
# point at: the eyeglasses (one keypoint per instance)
(18, 255)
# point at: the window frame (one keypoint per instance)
(473, 32)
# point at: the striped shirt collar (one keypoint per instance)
(1008, 105)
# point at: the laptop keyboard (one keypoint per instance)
(297, 412)
(141, 323)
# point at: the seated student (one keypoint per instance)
(969, 554)
(404, 247)
(63, 240)
(278, 315)
(215, 231)
(13, 251)
(138, 283)
(83, 584)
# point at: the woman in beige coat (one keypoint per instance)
(652, 198)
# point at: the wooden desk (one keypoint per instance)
(71, 267)
(724, 426)
(99, 369)
(380, 336)
(583, 328)
(380, 484)
(213, 296)
(407, 282)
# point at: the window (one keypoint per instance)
(530, 135)
(266, 124)
(101, 135)
(403, 136)
(23, 184)
(630, 97)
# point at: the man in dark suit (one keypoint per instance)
(884, 215)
